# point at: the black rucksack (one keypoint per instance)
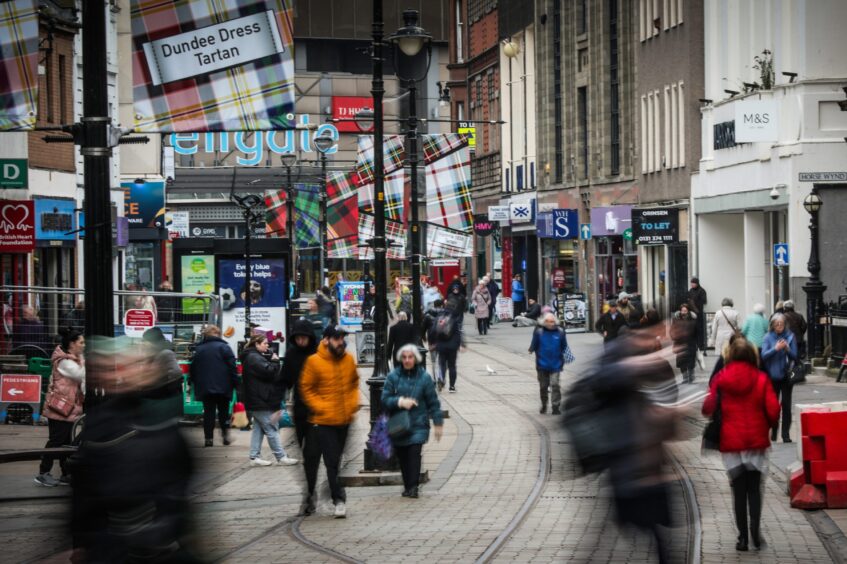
(445, 325)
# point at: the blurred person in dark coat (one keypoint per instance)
(301, 345)
(401, 333)
(214, 377)
(684, 335)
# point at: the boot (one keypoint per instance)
(543, 407)
(556, 410)
(226, 437)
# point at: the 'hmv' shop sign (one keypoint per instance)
(656, 226)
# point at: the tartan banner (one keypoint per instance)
(307, 209)
(276, 213)
(447, 243)
(344, 247)
(438, 146)
(394, 194)
(395, 234)
(448, 184)
(342, 217)
(339, 186)
(394, 155)
(212, 66)
(18, 64)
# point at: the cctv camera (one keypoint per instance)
(774, 193)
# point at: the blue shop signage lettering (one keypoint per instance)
(254, 144)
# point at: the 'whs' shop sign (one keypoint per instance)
(655, 226)
(557, 224)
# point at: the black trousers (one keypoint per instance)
(447, 361)
(327, 441)
(747, 492)
(301, 429)
(482, 325)
(409, 458)
(59, 434)
(783, 389)
(700, 334)
(215, 403)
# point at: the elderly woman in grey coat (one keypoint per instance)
(724, 325)
(481, 300)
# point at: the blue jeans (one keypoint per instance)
(262, 427)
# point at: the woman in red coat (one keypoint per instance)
(749, 409)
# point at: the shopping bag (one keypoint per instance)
(569, 357)
(379, 442)
(282, 418)
(239, 416)
(701, 362)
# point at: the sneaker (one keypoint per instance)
(340, 510)
(287, 461)
(65, 480)
(452, 389)
(208, 443)
(260, 462)
(47, 480)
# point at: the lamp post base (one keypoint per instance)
(814, 300)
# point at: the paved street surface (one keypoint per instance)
(503, 487)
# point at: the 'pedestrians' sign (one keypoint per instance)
(20, 388)
(780, 254)
(585, 231)
(13, 173)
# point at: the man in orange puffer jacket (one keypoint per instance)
(329, 386)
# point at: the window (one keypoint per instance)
(644, 122)
(666, 158)
(681, 103)
(492, 87)
(558, 125)
(649, 132)
(582, 60)
(678, 11)
(642, 18)
(675, 133)
(460, 111)
(665, 12)
(48, 77)
(653, 16)
(657, 154)
(582, 17)
(582, 111)
(63, 91)
(614, 91)
(460, 55)
(478, 8)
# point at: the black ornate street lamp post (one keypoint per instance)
(411, 43)
(814, 288)
(323, 143)
(288, 160)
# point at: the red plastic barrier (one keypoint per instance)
(822, 482)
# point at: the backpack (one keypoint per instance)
(444, 326)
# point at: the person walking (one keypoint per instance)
(631, 313)
(263, 394)
(494, 291)
(457, 301)
(698, 298)
(329, 386)
(446, 338)
(517, 296)
(796, 323)
(779, 351)
(724, 325)
(755, 327)
(403, 302)
(610, 323)
(684, 336)
(549, 343)
(401, 334)
(481, 301)
(214, 376)
(63, 402)
(301, 345)
(409, 387)
(748, 408)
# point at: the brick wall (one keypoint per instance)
(55, 102)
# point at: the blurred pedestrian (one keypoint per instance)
(481, 301)
(517, 296)
(264, 391)
(430, 295)
(76, 317)
(610, 323)
(457, 301)
(446, 338)
(428, 323)
(326, 306)
(401, 334)
(631, 313)
(755, 327)
(315, 318)
(530, 318)
(162, 361)
(549, 343)
(329, 385)
(493, 291)
(167, 305)
(28, 330)
(724, 325)
(404, 301)
(63, 402)
(301, 345)
(409, 387)
(748, 407)
(684, 336)
(698, 298)
(779, 351)
(214, 377)
(796, 323)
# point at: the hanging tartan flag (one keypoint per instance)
(18, 64)
(276, 214)
(393, 151)
(342, 215)
(395, 235)
(306, 216)
(449, 208)
(393, 188)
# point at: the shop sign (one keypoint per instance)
(144, 203)
(120, 232)
(498, 213)
(55, 219)
(655, 226)
(482, 226)
(469, 130)
(347, 108)
(756, 120)
(611, 220)
(573, 308)
(197, 276)
(558, 224)
(724, 135)
(13, 173)
(521, 212)
(208, 231)
(177, 224)
(558, 281)
(17, 226)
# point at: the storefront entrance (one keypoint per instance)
(616, 268)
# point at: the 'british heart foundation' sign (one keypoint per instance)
(17, 226)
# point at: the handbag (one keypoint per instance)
(400, 423)
(732, 326)
(712, 432)
(60, 403)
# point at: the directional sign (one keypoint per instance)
(780, 254)
(20, 388)
(13, 173)
(585, 231)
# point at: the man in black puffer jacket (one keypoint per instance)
(301, 345)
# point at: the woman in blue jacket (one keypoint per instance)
(410, 387)
(549, 344)
(779, 350)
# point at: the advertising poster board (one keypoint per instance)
(267, 294)
(350, 298)
(198, 277)
(573, 311)
(504, 308)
